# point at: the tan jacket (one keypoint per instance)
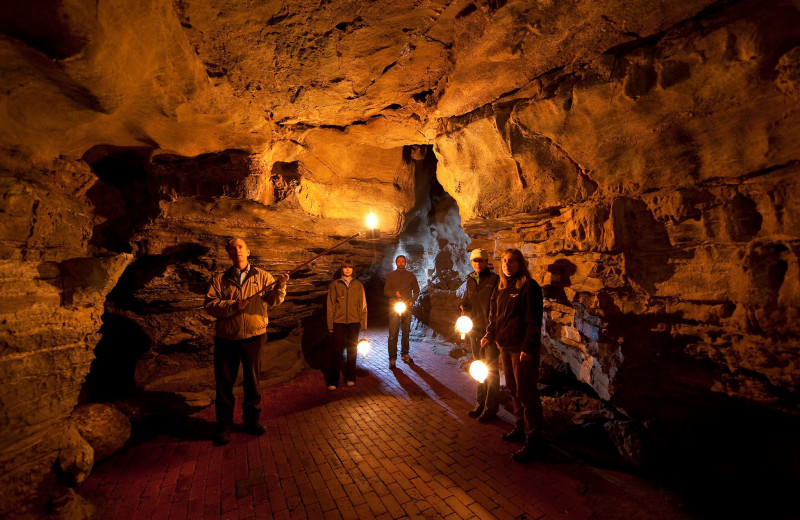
(347, 304)
(251, 321)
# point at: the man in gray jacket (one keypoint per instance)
(401, 286)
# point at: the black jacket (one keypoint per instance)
(515, 317)
(476, 300)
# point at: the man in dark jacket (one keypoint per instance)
(401, 286)
(515, 324)
(475, 302)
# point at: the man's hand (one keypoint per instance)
(484, 342)
(280, 280)
(524, 356)
(397, 293)
(241, 304)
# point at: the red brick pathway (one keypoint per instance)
(396, 445)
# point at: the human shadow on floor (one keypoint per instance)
(411, 388)
(438, 388)
(183, 427)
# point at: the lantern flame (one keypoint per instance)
(479, 371)
(363, 347)
(372, 220)
(463, 325)
(400, 307)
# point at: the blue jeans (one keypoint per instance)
(395, 321)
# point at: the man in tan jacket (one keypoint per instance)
(238, 299)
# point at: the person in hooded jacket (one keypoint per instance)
(347, 314)
(515, 324)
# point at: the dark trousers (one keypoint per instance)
(522, 378)
(489, 390)
(345, 336)
(228, 354)
(395, 322)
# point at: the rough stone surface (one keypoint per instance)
(105, 428)
(642, 155)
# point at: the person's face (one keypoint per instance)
(479, 264)
(510, 266)
(347, 271)
(401, 263)
(238, 252)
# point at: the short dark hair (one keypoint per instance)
(401, 256)
(347, 263)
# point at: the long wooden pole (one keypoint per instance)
(299, 267)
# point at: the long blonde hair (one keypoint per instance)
(523, 272)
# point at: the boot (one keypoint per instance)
(515, 435)
(533, 449)
(475, 412)
(223, 435)
(255, 428)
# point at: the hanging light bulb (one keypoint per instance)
(400, 307)
(363, 347)
(479, 371)
(463, 325)
(372, 220)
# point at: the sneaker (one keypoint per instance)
(475, 412)
(392, 363)
(331, 388)
(350, 383)
(406, 359)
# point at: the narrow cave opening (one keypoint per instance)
(435, 246)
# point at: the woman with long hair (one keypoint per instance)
(515, 325)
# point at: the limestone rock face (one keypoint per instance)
(104, 427)
(53, 291)
(648, 189)
(642, 155)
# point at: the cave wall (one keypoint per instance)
(649, 186)
(642, 155)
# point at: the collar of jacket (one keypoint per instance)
(249, 271)
(476, 276)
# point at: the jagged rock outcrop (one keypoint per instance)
(643, 156)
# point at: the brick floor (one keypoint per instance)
(396, 445)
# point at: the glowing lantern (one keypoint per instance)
(363, 347)
(400, 307)
(463, 325)
(372, 224)
(479, 371)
